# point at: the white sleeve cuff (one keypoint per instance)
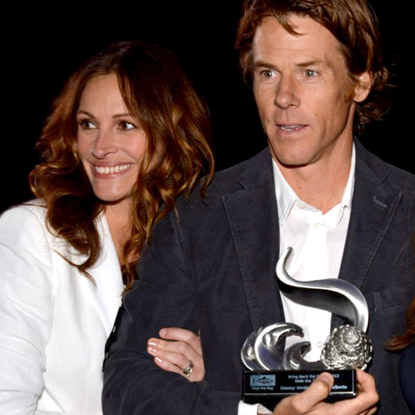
(252, 409)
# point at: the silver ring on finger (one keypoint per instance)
(189, 369)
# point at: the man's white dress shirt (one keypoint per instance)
(318, 243)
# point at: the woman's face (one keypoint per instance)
(111, 142)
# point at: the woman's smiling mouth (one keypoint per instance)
(113, 169)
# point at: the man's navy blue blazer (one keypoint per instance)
(211, 268)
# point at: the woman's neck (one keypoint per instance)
(118, 218)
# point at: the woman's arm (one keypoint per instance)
(26, 310)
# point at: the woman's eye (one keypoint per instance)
(86, 124)
(126, 126)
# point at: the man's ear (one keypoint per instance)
(363, 87)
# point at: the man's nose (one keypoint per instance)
(286, 93)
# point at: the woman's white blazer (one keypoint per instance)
(54, 321)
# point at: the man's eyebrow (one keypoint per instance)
(263, 64)
(310, 63)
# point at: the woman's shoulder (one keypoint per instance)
(24, 217)
(34, 210)
(25, 225)
(26, 250)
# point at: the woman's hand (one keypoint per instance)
(178, 351)
(311, 401)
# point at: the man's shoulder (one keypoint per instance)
(384, 173)
(231, 181)
(242, 175)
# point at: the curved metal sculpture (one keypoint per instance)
(334, 295)
(262, 350)
(347, 347)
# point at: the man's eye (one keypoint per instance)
(267, 74)
(310, 74)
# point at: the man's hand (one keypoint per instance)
(312, 402)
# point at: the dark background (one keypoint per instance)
(43, 46)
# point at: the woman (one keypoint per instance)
(125, 138)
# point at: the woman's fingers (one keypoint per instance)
(166, 365)
(175, 351)
(179, 355)
(179, 351)
(185, 336)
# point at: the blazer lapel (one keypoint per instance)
(107, 292)
(253, 216)
(373, 209)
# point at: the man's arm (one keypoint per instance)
(164, 296)
(135, 385)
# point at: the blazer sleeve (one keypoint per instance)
(26, 310)
(164, 296)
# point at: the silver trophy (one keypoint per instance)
(275, 373)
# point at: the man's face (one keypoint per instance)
(305, 96)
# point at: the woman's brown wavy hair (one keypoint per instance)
(406, 339)
(352, 22)
(156, 90)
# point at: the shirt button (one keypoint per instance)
(320, 344)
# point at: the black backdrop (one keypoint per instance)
(43, 46)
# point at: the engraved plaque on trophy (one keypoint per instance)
(274, 373)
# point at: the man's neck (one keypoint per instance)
(320, 185)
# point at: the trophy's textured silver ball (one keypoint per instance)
(347, 348)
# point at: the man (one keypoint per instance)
(317, 75)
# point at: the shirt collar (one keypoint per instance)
(286, 197)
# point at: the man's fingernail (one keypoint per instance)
(325, 377)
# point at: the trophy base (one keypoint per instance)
(269, 387)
